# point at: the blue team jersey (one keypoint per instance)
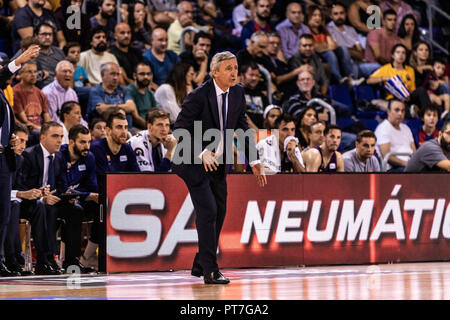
(106, 161)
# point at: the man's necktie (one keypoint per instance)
(224, 123)
(51, 173)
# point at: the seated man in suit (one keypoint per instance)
(43, 168)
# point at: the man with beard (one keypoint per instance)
(105, 18)
(127, 56)
(326, 158)
(139, 90)
(92, 59)
(346, 37)
(28, 18)
(81, 177)
(262, 16)
(113, 154)
(154, 147)
(49, 55)
(433, 155)
(198, 56)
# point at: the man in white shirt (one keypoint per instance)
(280, 152)
(154, 147)
(395, 136)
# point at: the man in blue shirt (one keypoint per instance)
(159, 58)
(109, 94)
(82, 178)
(113, 154)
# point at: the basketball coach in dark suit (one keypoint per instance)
(218, 104)
(7, 144)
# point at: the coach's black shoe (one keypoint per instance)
(215, 278)
(197, 270)
(5, 272)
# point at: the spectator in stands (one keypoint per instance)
(154, 147)
(30, 104)
(380, 41)
(433, 155)
(139, 90)
(346, 37)
(72, 32)
(362, 158)
(97, 127)
(113, 153)
(315, 134)
(141, 31)
(408, 32)
(280, 153)
(14, 260)
(49, 55)
(400, 7)
(80, 77)
(291, 29)
(60, 90)
(255, 99)
(420, 60)
(162, 12)
(170, 95)
(105, 18)
(438, 87)
(306, 55)
(255, 51)
(70, 116)
(260, 22)
(418, 98)
(395, 136)
(198, 56)
(158, 57)
(110, 94)
(127, 56)
(303, 126)
(326, 158)
(283, 75)
(338, 58)
(271, 113)
(81, 176)
(242, 14)
(28, 18)
(92, 59)
(429, 117)
(358, 16)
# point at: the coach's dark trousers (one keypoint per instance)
(208, 191)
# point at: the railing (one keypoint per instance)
(430, 8)
(386, 158)
(325, 105)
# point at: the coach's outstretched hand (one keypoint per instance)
(258, 171)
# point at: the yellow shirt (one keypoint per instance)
(407, 75)
(9, 94)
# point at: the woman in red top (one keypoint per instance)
(327, 48)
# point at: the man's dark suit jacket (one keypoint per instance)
(201, 105)
(5, 74)
(32, 170)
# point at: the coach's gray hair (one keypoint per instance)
(105, 67)
(219, 57)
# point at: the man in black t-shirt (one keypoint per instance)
(28, 18)
(127, 56)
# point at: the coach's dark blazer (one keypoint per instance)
(32, 170)
(5, 74)
(201, 105)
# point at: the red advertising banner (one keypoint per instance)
(309, 219)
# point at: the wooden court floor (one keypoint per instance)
(401, 281)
